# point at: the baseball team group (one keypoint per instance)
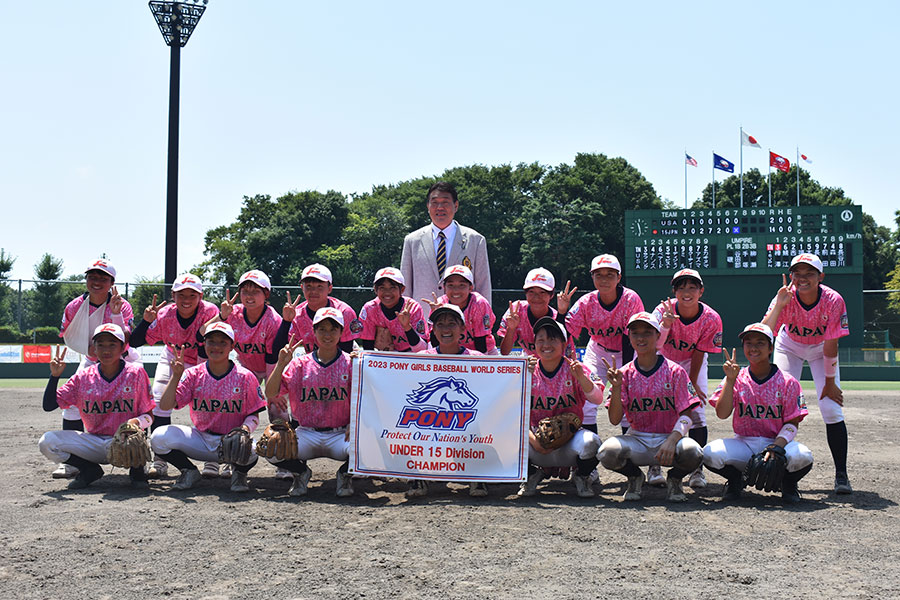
(646, 371)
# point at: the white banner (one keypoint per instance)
(441, 417)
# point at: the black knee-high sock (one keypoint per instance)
(69, 425)
(700, 435)
(159, 422)
(245, 468)
(89, 469)
(585, 466)
(294, 465)
(629, 470)
(179, 459)
(837, 442)
(797, 475)
(624, 429)
(589, 427)
(728, 472)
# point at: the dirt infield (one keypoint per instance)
(110, 541)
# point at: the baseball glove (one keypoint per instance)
(129, 448)
(278, 441)
(766, 474)
(235, 447)
(553, 432)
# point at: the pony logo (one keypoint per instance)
(428, 402)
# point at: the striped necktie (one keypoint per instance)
(441, 253)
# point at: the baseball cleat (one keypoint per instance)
(187, 480)
(633, 491)
(698, 479)
(283, 474)
(86, 478)
(842, 484)
(64, 471)
(594, 476)
(789, 492)
(138, 478)
(226, 471)
(159, 469)
(301, 481)
(478, 489)
(239, 482)
(675, 492)
(731, 491)
(210, 470)
(583, 486)
(417, 488)
(655, 476)
(529, 486)
(344, 485)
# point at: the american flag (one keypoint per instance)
(690, 160)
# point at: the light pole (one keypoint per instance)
(176, 21)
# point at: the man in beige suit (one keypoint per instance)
(443, 243)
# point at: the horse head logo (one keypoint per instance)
(454, 393)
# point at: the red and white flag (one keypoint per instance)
(749, 140)
(806, 158)
(779, 162)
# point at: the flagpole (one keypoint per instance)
(742, 167)
(714, 179)
(798, 175)
(769, 179)
(685, 178)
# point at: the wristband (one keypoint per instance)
(252, 422)
(144, 421)
(683, 425)
(831, 366)
(788, 432)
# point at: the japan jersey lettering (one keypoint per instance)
(319, 394)
(372, 316)
(703, 333)
(525, 330)
(252, 342)
(168, 330)
(104, 405)
(218, 405)
(606, 325)
(761, 408)
(556, 393)
(126, 314)
(302, 329)
(824, 320)
(653, 400)
(479, 321)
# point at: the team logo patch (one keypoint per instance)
(362, 314)
(691, 390)
(355, 326)
(801, 402)
(126, 389)
(486, 321)
(568, 383)
(442, 403)
(717, 340)
(845, 323)
(420, 328)
(778, 394)
(344, 377)
(466, 262)
(667, 385)
(236, 389)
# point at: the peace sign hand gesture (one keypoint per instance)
(576, 368)
(668, 315)
(613, 375)
(564, 298)
(287, 352)
(57, 363)
(289, 312)
(731, 367)
(227, 306)
(115, 302)
(433, 304)
(151, 312)
(784, 292)
(177, 365)
(512, 319)
(403, 317)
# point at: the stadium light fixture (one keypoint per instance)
(177, 21)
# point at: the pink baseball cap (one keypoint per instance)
(447, 308)
(461, 270)
(540, 278)
(101, 264)
(645, 317)
(221, 327)
(316, 271)
(258, 277)
(687, 273)
(112, 329)
(810, 259)
(605, 261)
(328, 312)
(187, 281)
(390, 273)
(758, 328)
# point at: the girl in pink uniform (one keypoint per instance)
(316, 285)
(808, 319)
(690, 331)
(459, 287)
(560, 385)
(517, 323)
(222, 395)
(317, 386)
(401, 317)
(657, 396)
(178, 326)
(768, 406)
(106, 394)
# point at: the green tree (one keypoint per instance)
(47, 302)
(141, 294)
(7, 315)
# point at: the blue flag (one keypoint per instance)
(722, 164)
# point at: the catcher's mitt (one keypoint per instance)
(766, 474)
(235, 447)
(278, 441)
(129, 448)
(553, 432)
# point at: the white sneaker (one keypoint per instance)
(239, 482)
(187, 480)
(159, 469)
(301, 481)
(635, 484)
(529, 486)
(675, 493)
(655, 476)
(210, 470)
(227, 471)
(417, 488)
(583, 486)
(697, 480)
(478, 489)
(283, 474)
(65, 471)
(594, 476)
(344, 485)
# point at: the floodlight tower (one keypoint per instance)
(176, 20)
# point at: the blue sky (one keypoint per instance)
(279, 96)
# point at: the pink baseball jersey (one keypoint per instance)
(125, 318)
(253, 340)
(372, 316)
(168, 330)
(761, 408)
(525, 331)
(479, 320)
(104, 405)
(464, 351)
(606, 324)
(302, 328)
(703, 333)
(826, 319)
(653, 400)
(556, 393)
(319, 393)
(219, 404)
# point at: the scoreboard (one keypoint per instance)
(742, 240)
